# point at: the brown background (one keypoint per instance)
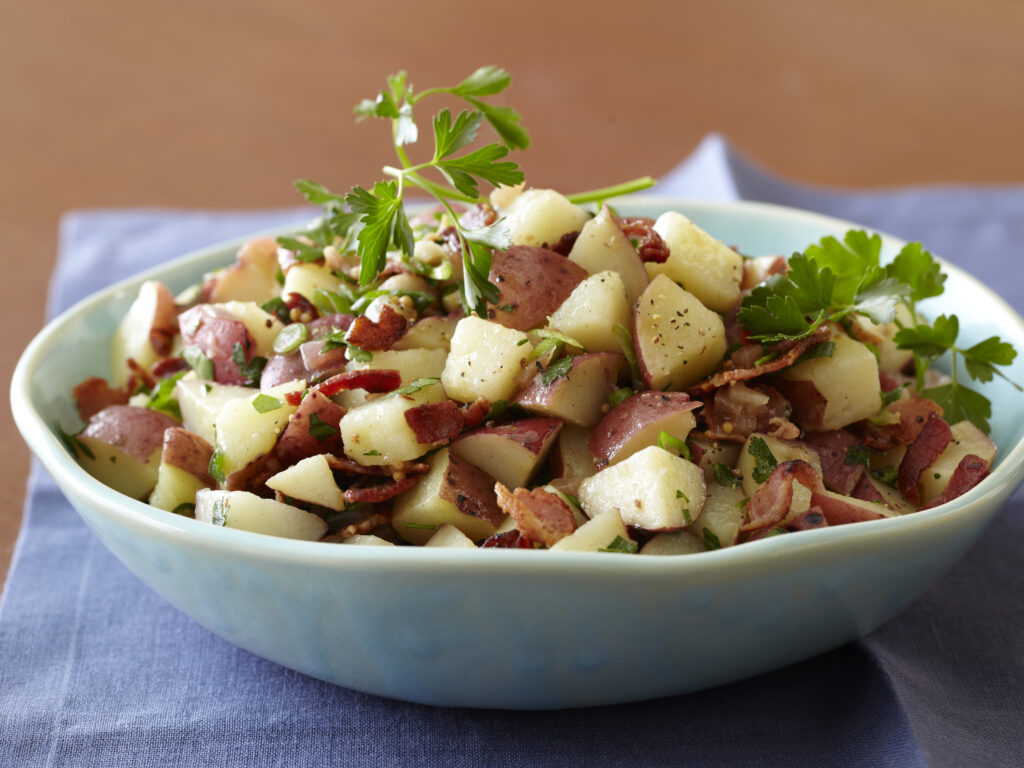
(211, 104)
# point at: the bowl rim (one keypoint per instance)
(982, 500)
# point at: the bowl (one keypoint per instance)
(516, 628)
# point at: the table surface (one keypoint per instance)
(223, 105)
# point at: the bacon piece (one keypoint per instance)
(737, 410)
(833, 448)
(809, 520)
(375, 336)
(471, 490)
(541, 516)
(841, 510)
(254, 476)
(771, 502)
(361, 490)
(507, 540)
(300, 309)
(366, 525)
(167, 366)
(968, 473)
(217, 332)
(564, 244)
(474, 413)
(788, 353)
(94, 394)
(301, 439)
(651, 246)
(913, 413)
(435, 422)
(865, 490)
(370, 379)
(932, 440)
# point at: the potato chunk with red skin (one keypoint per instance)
(533, 283)
(638, 422)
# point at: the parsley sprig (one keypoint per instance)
(834, 279)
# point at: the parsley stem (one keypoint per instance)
(441, 193)
(625, 188)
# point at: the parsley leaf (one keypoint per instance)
(319, 429)
(765, 461)
(558, 368)
(619, 544)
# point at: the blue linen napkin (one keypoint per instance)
(95, 670)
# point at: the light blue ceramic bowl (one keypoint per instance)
(526, 629)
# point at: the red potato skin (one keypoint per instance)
(188, 451)
(968, 473)
(604, 365)
(535, 433)
(297, 442)
(471, 490)
(533, 283)
(135, 430)
(839, 512)
(807, 402)
(283, 368)
(921, 454)
(617, 427)
(832, 448)
(216, 332)
(165, 322)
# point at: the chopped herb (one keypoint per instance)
(373, 452)
(331, 303)
(277, 308)
(888, 475)
(674, 444)
(625, 339)
(163, 399)
(620, 395)
(825, 349)
(620, 544)
(251, 370)
(414, 386)
(765, 461)
(775, 532)
(320, 429)
(552, 340)
(358, 354)
(73, 444)
(290, 338)
(198, 362)
(217, 465)
(421, 526)
(264, 403)
(186, 508)
(857, 454)
(302, 251)
(558, 368)
(333, 339)
(219, 513)
(725, 477)
(891, 396)
(711, 540)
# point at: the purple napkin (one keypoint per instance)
(95, 670)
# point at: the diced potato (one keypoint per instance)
(782, 450)
(251, 278)
(411, 364)
(704, 265)
(602, 246)
(174, 487)
(367, 540)
(433, 332)
(595, 535)
(830, 392)
(967, 439)
(722, 516)
(305, 278)
(652, 489)
(450, 536)
(200, 402)
(377, 432)
(594, 307)
(541, 216)
(486, 360)
(248, 428)
(261, 325)
(677, 340)
(890, 356)
(674, 543)
(310, 480)
(151, 315)
(248, 512)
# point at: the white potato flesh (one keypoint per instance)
(722, 516)
(486, 360)
(119, 470)
(253, 276)
(450, 536)
(704, 265)
(967, 439)
(847, 380)
(261, 325)
(309, 480)
(674, 543)
(377, 432)
(248, 512)
(782, 450)
(421, 511)
(367, 540)
(432, 332)
(677, 340)
(602, 246)
(200, 402)
(590, 312)
(541, 216)
(246, 430)
(597, 534)
(890, 356)
(174, 487)
(411, 364)
(305, 278)
(152, 308)
(653, 489)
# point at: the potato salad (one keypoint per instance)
(526, 369)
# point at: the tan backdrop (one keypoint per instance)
(201, 103)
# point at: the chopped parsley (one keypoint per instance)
(264, 403)
(290, 338)
(765, 461)
(674, 445)
(725, 477)
(320, 430)
(198, 362)
(619, 544)
(711, 540)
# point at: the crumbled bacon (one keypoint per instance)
(167, 366)
(770, 503)
(913, 413)
(507, 540)
(788, 352)
(865, 490)
(347, 466)
(968, 473)
(564, 244)
(375, 336)
(541, 516)
(737, 410)
(932, 440)
(841, 510)
(95, 394)
(374, 493)
(434, 422)
(651, 246)
(366, 525)
(809, 520)
(370, 379)
(833, 448)
(300, 309)
(474, 413)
